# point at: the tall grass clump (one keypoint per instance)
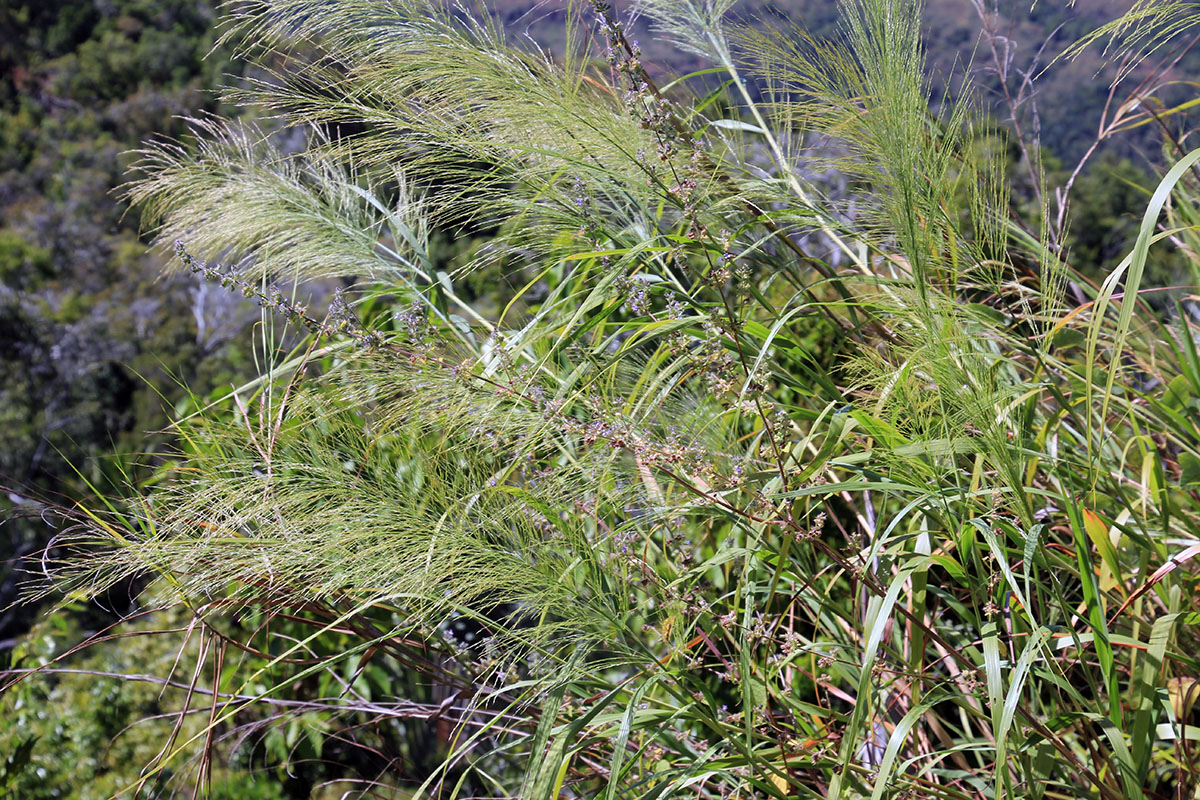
(795, 464)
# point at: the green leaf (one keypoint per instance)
(737, 125)
(1189, 467)
(1147, 686)
(622, 740)
(1178, 393)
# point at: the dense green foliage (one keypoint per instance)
(796, 455)
(92, 342)
(90, 339)
(118, 724)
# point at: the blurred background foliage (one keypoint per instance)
(96, 345)
(94, 342)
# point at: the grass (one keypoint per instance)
(778, 489)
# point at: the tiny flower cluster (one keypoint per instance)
(637, 297)
(341, 319)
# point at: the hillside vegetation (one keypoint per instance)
(92, 338)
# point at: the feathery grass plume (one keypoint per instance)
(690, 25)
(1145, 29)
(330, 505)
(943, 394)
(234, 195)
(446, 95)
(869, 92)
(939, 383)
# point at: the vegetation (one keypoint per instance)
(797, 456)
(91, 341)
